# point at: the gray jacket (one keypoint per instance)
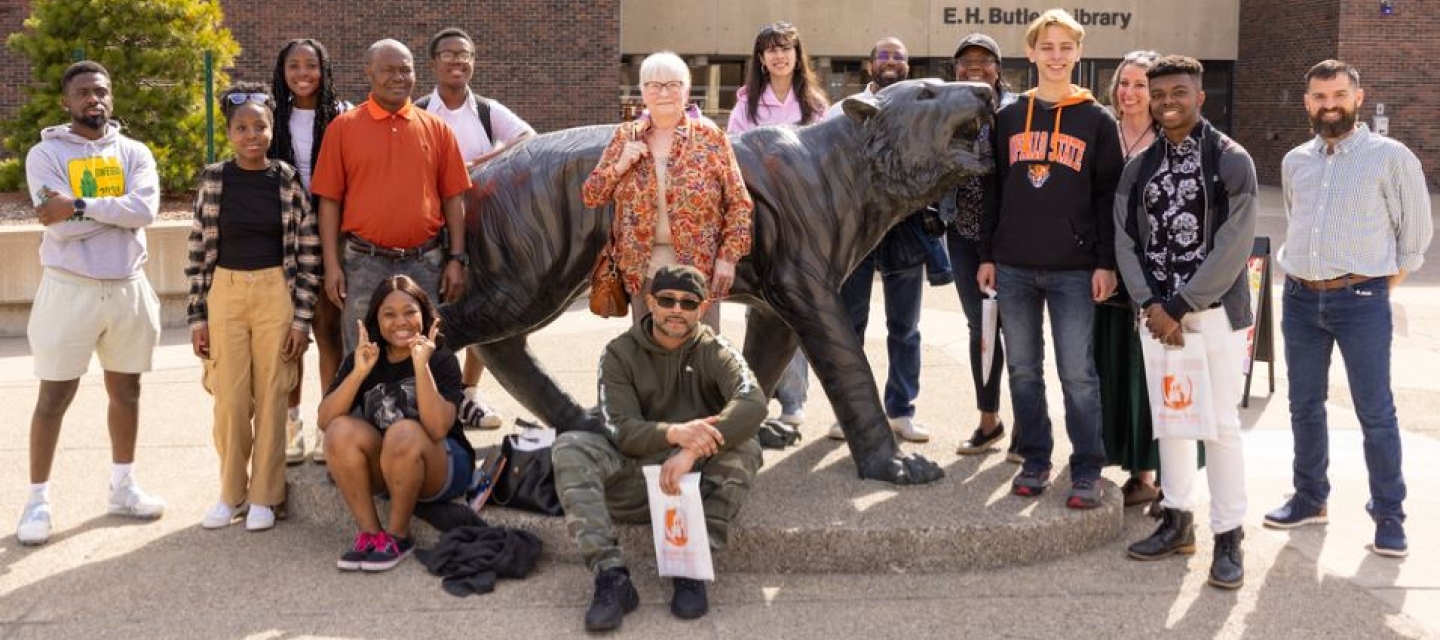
(1230, 187)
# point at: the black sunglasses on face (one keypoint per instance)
(667, 302)
(238, 99)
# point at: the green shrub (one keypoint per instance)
(154, 50)
(12, 175)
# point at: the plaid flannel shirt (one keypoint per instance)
(301, 244)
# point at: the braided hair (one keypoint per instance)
(327, 103)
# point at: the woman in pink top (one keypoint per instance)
(781, 88)
(780, 85)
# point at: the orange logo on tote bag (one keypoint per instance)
(675, 533)
(1179, 392)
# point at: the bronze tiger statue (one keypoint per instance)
(824, 196)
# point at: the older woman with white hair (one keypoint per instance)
(679, 197)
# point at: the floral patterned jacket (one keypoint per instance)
(708, 205)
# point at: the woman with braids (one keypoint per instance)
(781, 88)
(254, 279)
(304, 89)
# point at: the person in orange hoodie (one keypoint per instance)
(1048, 239)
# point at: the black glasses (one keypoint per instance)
(667, 302)
(455, 56)
(238, 99)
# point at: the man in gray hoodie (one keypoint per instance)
(673, 393)
(95, 191)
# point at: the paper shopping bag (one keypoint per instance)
(989, 332)
(682, 542)
(1178, 383)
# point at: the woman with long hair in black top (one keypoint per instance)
(305, 104)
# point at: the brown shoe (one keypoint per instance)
(1137, 492)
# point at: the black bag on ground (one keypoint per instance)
(528, 481)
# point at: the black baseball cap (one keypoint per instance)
(679, 278)
(979, 40)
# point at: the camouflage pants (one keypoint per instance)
(598, 484)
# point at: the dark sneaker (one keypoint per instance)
(1175, 535)
(615, 596)
(981, 441)
(1030, 483)
(389, 551)
(1227, 569)
(1295, 513)
(689, 602)
(364, 544)
(1390, 538)
(1085, 493)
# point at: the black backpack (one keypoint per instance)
(482, 107)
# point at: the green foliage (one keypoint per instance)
(154, 50)
(12, 175)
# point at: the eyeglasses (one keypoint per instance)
(889, 56)
(673, 86)
(667, 302)
(238, 99)
(976, 62)
(455, 56)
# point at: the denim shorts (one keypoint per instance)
(457, 480)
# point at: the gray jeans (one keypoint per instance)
(363, 273)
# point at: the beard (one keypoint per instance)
(91, 122)
(1333, 128)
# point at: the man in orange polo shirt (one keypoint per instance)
(397, 174)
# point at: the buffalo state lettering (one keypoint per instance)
(1038, 146)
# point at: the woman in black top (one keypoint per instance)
(391, 424)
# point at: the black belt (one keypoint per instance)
(363, 246)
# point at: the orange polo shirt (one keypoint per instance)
(390, 172)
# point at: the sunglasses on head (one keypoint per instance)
(668, 302)
(238, 99)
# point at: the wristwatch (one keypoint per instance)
(79, 204)
(462, 258)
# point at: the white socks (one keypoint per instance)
(119, 473)
(294, 413)
(472, 392)
(39, 492)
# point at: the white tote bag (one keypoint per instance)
(682, 542)
(989, 332)
(1178, 382)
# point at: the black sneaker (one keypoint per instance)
(980, 441)
(1296, 512)
(615, 596)
(389, 551)
(1030, 483)
(689, 602)
(364, 544)
(1085, 493)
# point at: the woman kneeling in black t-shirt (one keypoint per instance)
(390, 423)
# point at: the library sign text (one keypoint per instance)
(973, 15)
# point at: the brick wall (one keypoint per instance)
(552, 62)
(1280, 40)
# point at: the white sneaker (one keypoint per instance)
(129, 500)
(475, 414)
(34, 524)
(836, 433)
(221, 515)
(294, 441)
(260, 518)
(908, 429)
(317, 454)
(794, 418)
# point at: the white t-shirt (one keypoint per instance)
(302, 140)
(470, 133)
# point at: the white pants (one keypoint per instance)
(1224, 456)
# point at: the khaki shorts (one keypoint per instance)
(74, 316)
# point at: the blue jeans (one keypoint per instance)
(1357, 318)
(965, 260)
(903, 288)
(1023, 295)
(794, 387)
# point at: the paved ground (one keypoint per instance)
(104, 577)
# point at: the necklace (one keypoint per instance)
(1149, 132)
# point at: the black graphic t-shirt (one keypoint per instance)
(388, 393)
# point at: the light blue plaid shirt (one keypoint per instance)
(1364, 209)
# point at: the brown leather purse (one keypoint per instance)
(608, 298)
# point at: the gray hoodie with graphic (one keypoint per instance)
(117, 179)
